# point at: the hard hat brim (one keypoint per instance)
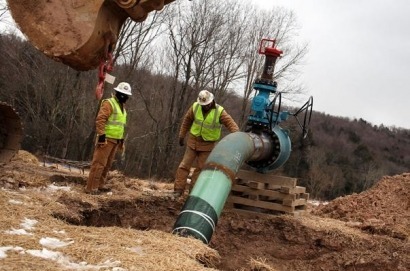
(204, 103)
(120, 90)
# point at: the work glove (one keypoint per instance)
(121, 146)
(101, 140)
(181, 141)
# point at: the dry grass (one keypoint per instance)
(259, 264)
(331, 226)
(333, 242)
(29, 212)
(26, 157)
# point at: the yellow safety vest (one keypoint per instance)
(210, 127)
(116, 122)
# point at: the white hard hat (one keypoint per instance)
(124, 87)
(205, 97)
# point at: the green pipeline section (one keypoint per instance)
(204, 205)
(201, 211)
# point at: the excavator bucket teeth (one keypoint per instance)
(11, 132)
(77, 32)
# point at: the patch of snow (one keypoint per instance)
(53, 187)
(66, 263)
(18, 232)
(46, 254)
(318, 202)
(137, 250)
(59, 232)
(3, 250)
(12, 201)
(28, 224)
(53, 242)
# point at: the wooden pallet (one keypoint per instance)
(267, 193)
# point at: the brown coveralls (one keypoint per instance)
(197, 148)
(103, 154)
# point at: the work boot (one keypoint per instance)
(104, 189)
(177, 194)
(93, 192)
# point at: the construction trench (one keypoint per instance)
(296, 242)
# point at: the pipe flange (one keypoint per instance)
(276, 151)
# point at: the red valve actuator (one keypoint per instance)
(267, 47)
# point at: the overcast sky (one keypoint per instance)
(358, 65)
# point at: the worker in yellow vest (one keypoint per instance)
(203, 120)
(110, 124)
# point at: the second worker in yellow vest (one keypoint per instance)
(203, 120)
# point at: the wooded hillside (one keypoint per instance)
(344, 156)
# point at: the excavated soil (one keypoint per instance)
(367, 231)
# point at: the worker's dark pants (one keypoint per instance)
(184, 167)
(101, 164)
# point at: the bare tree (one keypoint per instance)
(3, 10)
(279, 24)
(202, 52)
(48, 95)
(135, 43)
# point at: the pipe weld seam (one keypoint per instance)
(212, 166)
(203, 215)
(192, 229)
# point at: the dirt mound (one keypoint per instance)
(26, 157)
(383, 209)
(129, 228)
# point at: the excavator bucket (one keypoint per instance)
(11, 132)
(78, 33)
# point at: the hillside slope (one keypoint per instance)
(343, 156)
